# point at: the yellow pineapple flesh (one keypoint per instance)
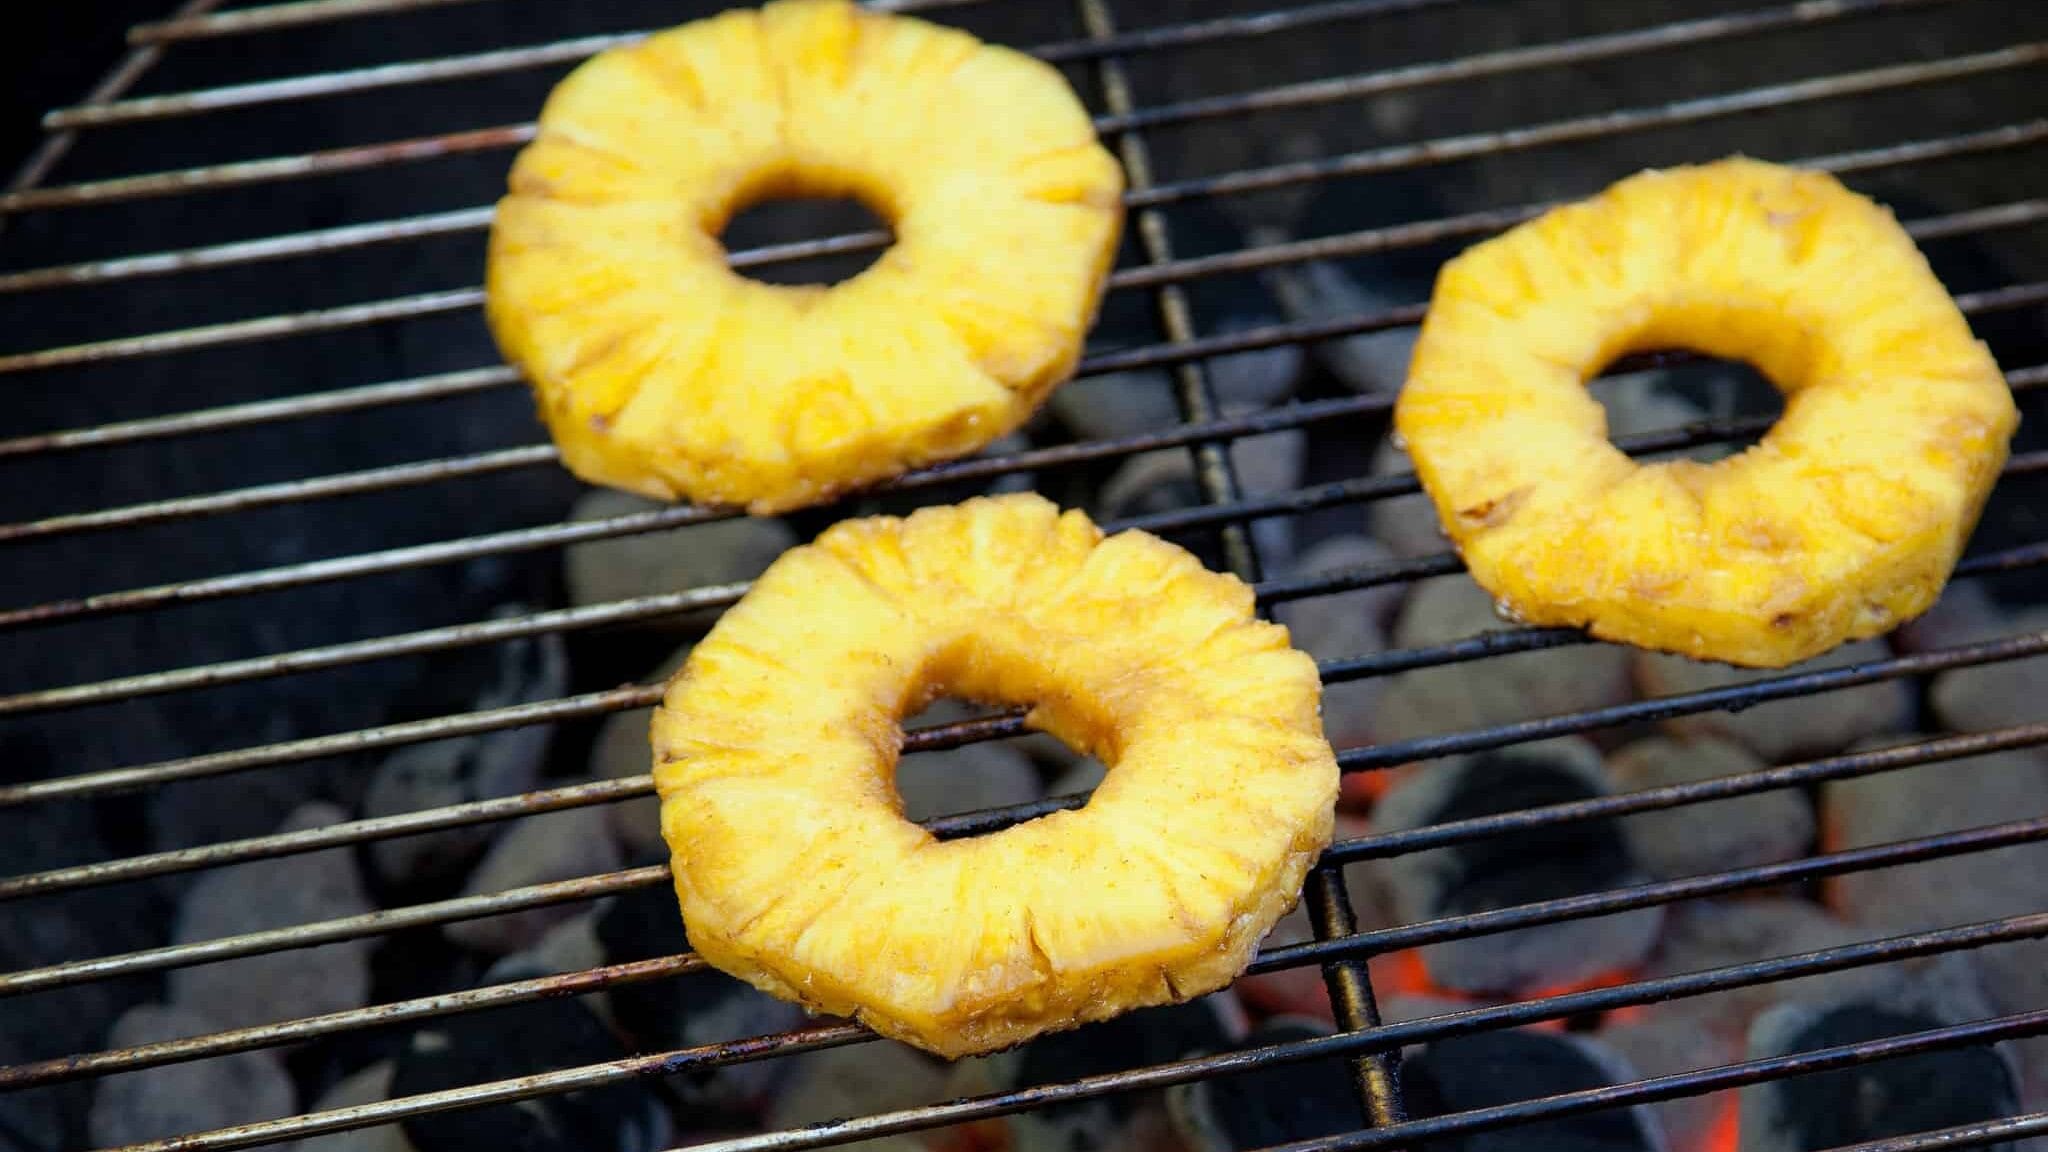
(1844, 521)
(776, 745)
(660, 370)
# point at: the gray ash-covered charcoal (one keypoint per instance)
(1760, 828)
(1121, 1121)
(1366, 286)
(1659, 1042)
(364, 1086)
(1811, 725)
(1516, 868)
(1144, 400)
(281, 893)
(1932, 799)
(696, 1008)
(1342, 626)
(1461, 1073)
(674, 560)
(984, 774)
(1275, 1104)
(623, 749)
(192, 1096)
(859, 1080)
(1876, 1099)
(468, 768)
(1163, 481)
(2006, 694)
(1703, 934)
(523, 1040)
(570, 946)
(1406, 524)
(565, 845)
(1497, 690)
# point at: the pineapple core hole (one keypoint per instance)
(801, 219)
(1668, 398)
(984, 774)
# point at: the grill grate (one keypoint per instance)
(1108, 58)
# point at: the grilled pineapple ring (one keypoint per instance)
(776, 748)
(660, 370)
(1844, 521)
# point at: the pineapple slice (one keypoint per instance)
(660, 370)
(1843, 522)
(776, 748)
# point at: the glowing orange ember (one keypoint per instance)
(1404, 974)
(1726, 1133)
(1359, 791)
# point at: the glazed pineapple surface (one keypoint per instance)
(1843, 521)
(776, 747)
(660, 370)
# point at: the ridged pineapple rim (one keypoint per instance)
(797, 871)
(661, 370)
(1843, 521)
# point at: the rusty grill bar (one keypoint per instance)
(1339, 947)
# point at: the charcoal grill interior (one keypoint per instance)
(268, 486)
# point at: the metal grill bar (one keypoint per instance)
(1345, 852)
(426, 304)
(1963, 223)
(719, 595)
(1339, 947)
(352, 236)
(1385, 1038)
(263, 171)
(1370, 240)
(437, 387)
(116, 780)
(562, 534)
(953, 736)
(512, 135)
(314, 1027)
(1462, 147)
(1358, 759)
(287, 492)
(984, 467)
(1682, 1084)
(1961, 1136)
(270, 16)
(1358, 163)
(1734, 696)
(406, 474)
(1678, 34)
(378, 76)
(1341, 853)
(322, 240)
(300, 13)
(1426, 932)
(1478, 144)
(331, 931)
(643, 608)
(245, 331)
(111, 87)
(1352, 943)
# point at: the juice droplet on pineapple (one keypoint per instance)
(1397, 441)
(1506, 612)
